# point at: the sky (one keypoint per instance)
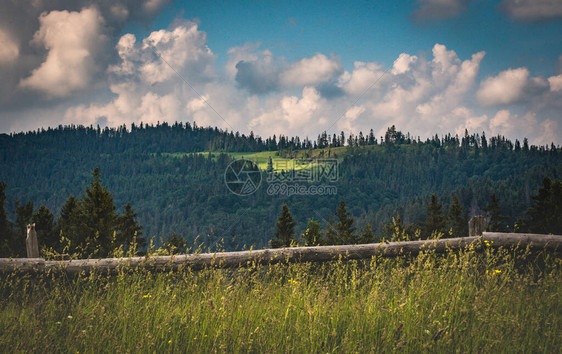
(426, 66)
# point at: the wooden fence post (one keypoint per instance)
(476, 225)
(31, 242)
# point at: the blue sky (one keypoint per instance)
(427, 66)
(370, 31)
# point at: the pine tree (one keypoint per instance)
(69, 221)
(98, 216)
(24, 214)
(458, 220)
(332, 237)
(344, 227)
(46, 235)
(175, 244)
(128, 228)
(367, 235)
(434, 222)
(285, 233)
(545, 215)
(496, 221)
(312, 235)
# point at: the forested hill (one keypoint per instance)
(175, 189)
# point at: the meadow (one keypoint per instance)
(489, 301)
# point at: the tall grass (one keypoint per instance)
(495, 301)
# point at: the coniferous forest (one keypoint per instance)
(87, 186)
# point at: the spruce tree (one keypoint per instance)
(457, 219)
(46, 234)
(285, 232)
(69, 221)
(496, 221)
(24, 213)
(175, 244)
(344, 227)
(128, 228)
(332, 237)
(434, 222)
(98, 217)
(312, 235)
(367, 235)
(545, 214)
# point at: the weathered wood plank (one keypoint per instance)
(293, 254)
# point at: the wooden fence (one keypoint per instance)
(552, 243)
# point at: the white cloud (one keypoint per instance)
(310, 71)
(420, 95)
(555, 83)
(532, 10)
(9, 49)
(182, 48)
(403, 63)
(363, 76)
(75, 42)
(290, 114)
(506, 88)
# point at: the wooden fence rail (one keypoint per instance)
(551, 243)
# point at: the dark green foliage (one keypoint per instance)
(24, 214)
(285, 233)
(545, 215)
(128, 229)
(70, 219)
(312, 234)
(98, 218)
(397, 230)
(175, 244)
(496, 221)
(45, 228)
(367, 235)
(457, 219)
(434, 222)
(332, 236)
(174, 189)
(344, 227)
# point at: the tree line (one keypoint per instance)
(175, 190)
(544, 216)
(86, 227)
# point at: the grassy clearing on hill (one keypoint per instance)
(496, 301)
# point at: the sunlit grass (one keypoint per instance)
(477, 302)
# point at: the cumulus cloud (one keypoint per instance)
(257, 90)
(260, 75)
(555, 83)
(505, 88)
(147, 88)
(511, 86)
(26, 28)
(262, 72)
(310, 71)
(403, 63)
(164, 54)
(75, 42)
(439, 9)
(532, 10)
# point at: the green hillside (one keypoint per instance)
(174, 177)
